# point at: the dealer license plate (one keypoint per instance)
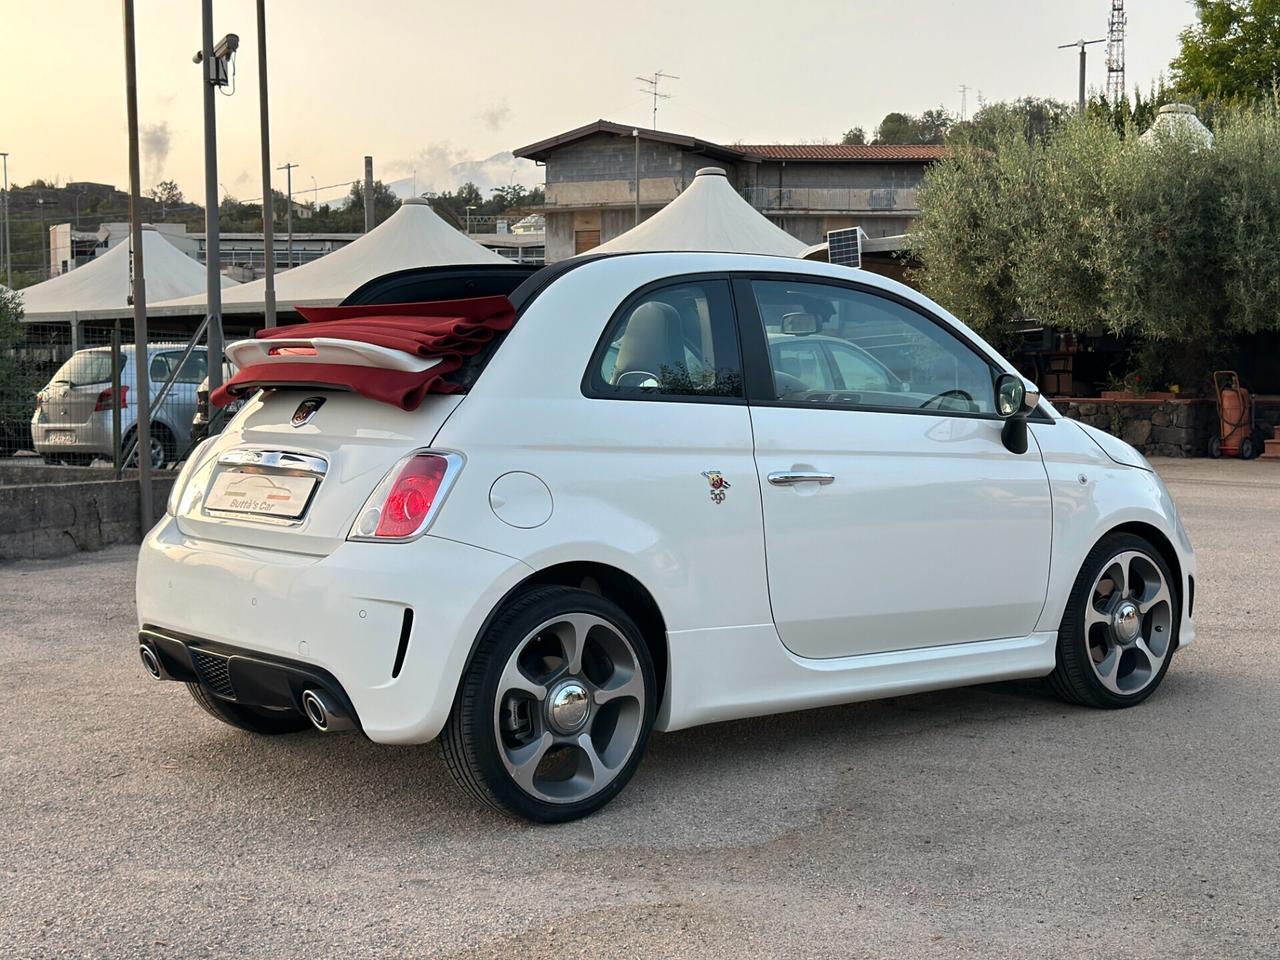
(260, 494)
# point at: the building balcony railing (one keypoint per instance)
(898, 200)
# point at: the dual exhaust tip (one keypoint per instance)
(320, 707)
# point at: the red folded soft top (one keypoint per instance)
(394, 353)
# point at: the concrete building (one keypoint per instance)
(807, 189)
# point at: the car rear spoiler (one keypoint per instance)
(325, 350)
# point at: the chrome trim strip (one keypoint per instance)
(275, 460)
(789, 477)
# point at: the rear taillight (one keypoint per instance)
(105, 398)
(404, 503)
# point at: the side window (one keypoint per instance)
(193, 371)
(881, 354)
(676, 341)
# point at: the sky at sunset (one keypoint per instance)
(423, 86)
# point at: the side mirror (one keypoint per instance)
(1015, 398)
(1011, 394)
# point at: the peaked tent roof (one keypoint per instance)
(709, 215)
(100, 288)
(411, 237)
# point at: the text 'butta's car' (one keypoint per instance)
(539, 515)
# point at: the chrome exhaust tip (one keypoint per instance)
(325, 715)
(150, 662)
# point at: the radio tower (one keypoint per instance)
(1115, 53)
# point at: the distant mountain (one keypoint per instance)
(495, 171)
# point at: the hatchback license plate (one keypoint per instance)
(62, 437)
(263, 494)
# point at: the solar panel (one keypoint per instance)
(845, 246)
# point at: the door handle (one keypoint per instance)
(785, 478)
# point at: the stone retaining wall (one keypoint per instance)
(1162, 428)
(50, 519)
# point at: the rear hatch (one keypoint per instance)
(72, 394)
(266, 482)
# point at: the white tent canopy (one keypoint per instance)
(411, 237)
(1178, 120)
(100, 288)
(708, 215)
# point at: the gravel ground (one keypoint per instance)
(984, 822)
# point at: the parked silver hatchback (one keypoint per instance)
(72, 422)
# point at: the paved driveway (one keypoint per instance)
(988, 822)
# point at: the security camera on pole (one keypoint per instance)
(216, 72)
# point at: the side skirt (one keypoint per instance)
(736, 672)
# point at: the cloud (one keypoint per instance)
(440, 167)
(495, 116)
(156, 139)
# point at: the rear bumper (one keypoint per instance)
(343, 614)
(243, 676)
(92, 436)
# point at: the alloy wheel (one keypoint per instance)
(569, 708)
(1128, 623)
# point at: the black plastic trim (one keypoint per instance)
(402, 649)
(471, 279)
(259, 679)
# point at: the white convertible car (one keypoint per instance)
(683, 488)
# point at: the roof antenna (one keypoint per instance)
(652, 84)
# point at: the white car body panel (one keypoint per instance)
(553, 477)
(932, 533)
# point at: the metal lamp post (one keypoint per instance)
(8, 251)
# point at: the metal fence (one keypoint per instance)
(70, 396)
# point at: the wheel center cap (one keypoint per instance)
(568, 706)
(1126, 622)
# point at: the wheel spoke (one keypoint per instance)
(1119, 572)
(600, 774)
(1109, 669)
(1153, 598)
(1093, 615)
(572, 631)
(513, 678)
(632, 687)
(523, 761)
(1152, 660)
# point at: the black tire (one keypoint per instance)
(469, 741)
(1247, 449)
(1215, 447)
(160, 433)
(243, 717)
(1074, 679)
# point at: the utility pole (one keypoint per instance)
(268, 200)
(8, 253)
(288, 215)
(369, 209)
(651, 88)
(1081, 44)
(214, 61)
(635, 135)
(44, 238)
(142, 429)
(964, 102)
